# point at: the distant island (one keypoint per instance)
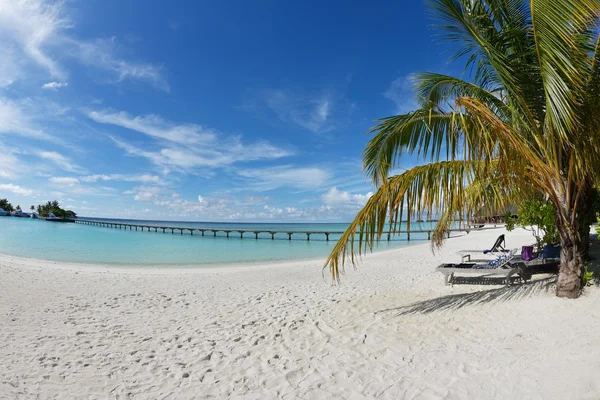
(51, 209)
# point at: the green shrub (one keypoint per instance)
(536, 215)
(586, 276)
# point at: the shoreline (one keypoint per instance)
(33, 262)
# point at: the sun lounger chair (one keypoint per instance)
(538, 266)
(502, 266)
(498, 247)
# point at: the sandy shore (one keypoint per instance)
(392, 330)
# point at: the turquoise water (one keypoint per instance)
(70, 242)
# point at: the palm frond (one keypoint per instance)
(439, 91)
(421, 192)
(558, 28)
(423, 131)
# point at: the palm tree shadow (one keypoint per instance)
(458, 301)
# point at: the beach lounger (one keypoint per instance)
(538, 266)
(498, 247)
(503, 266)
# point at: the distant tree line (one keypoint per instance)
(6, 206)
(42, 210)
(54, 208)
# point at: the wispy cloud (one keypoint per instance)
(64, 180)
(187, 159)
(73, 185)
(103, 54)
(28, 28)
(36, 33)
(61, 161)
(156, 127)
(54, 85)
(185, 147)
(317, 112)
(10, 165)
(142, 178)
(402, 94)
(9, 187)
(304, 178)
(13, 120)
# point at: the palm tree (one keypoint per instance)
(524, 122)
(32, 208)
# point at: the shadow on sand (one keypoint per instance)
(457, 301)
(500, 294)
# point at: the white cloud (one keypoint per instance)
(305, 178)
(54, 85)
(10, 70)
(334, 196)
(141, 178)
(310, 111)
(10, 165)
(61, 161)
(9, 187)
(35, 33)
(156, 127)
(185, 147)
(223, 207)
(273, 210)
(402, 94)
(15, 119)
(64, 180)
(73, 185)
(145, 193)
(185, 207)
(102, 53)
(29, 28)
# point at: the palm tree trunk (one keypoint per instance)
(568, 283)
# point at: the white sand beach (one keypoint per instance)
(392, 330)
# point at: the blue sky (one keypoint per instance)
(202, 110)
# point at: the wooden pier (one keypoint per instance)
(241, 232)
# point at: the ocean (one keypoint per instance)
(79, 243)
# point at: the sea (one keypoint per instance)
(79, 243)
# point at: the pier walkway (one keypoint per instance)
(241, 232)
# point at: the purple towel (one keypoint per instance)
(527, 253)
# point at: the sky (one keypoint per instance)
(203, 110)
